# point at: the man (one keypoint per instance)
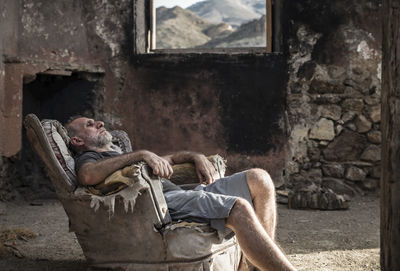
(243, 202)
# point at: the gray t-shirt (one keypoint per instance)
(93, 156)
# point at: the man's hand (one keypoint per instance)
(161, 167)
(204, 169)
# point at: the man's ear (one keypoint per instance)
(76, 141)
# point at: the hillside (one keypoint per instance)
(180, 28)
(251, 34)
(233, 12)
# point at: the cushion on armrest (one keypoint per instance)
(186, 173)
(117, 181)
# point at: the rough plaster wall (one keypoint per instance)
(230, 105)
(334, 92)
(9, 10)
(53, 31)
(167, 111)
(225, 104)
(109, 34)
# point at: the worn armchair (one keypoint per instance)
(130, 229)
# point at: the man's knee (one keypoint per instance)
(260, 181)
(241, 211)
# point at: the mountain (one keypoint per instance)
(180, 28)
(233, 12)
(251, 34)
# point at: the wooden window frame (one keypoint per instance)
(145, 38)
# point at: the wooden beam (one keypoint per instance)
(390, 177)
(268, 28)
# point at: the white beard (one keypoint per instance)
(103, 139)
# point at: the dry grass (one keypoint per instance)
(9, 238)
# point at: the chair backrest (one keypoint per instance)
(50, 140)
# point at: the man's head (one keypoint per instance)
(88, 134)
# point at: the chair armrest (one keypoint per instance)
(185, 174)
(156, 190)
(131, 181)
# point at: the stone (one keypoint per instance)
(370, 184)
(350, 83)
(338, 186)
(315, 175)
(292, 167)
(346, 147)
(355, 105)
(313, 153)
(296, 88)
(317, 165)
(362, 164)
(376, 172)
(348, 116)
(358, 71)
(297, 178)
(331, 111)
(324, 87)
(324, 143)
(352, 92)
(355, 174)
(306, 71)
(315, 197)
(375, 137)
(372, 100)
(375, 113)
(363, 124)
(323, 130)
(352, 126)
(339, 129)
(326, 99)
(371, 154)
(336, 72)
(333, 170)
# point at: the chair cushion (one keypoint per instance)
(59, 140)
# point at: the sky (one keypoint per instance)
(173, 3)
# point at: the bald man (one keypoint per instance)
(243, 202)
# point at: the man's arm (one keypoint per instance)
(94, 173)
(204, 168)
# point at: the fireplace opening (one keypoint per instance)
(52, 97)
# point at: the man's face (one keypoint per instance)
(92, 132)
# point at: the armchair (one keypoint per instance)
(131, 229)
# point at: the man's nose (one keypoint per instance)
(99, 124)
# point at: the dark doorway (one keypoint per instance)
(53, 97)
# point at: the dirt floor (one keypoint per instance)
(313, 240)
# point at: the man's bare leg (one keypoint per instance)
(256, 244)
(262, 192)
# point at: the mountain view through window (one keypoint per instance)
(210, 23)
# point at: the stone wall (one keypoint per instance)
(333, 94)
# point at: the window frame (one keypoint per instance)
(145, 38)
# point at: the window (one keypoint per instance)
(211, 26)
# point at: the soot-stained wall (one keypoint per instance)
(232, 105)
